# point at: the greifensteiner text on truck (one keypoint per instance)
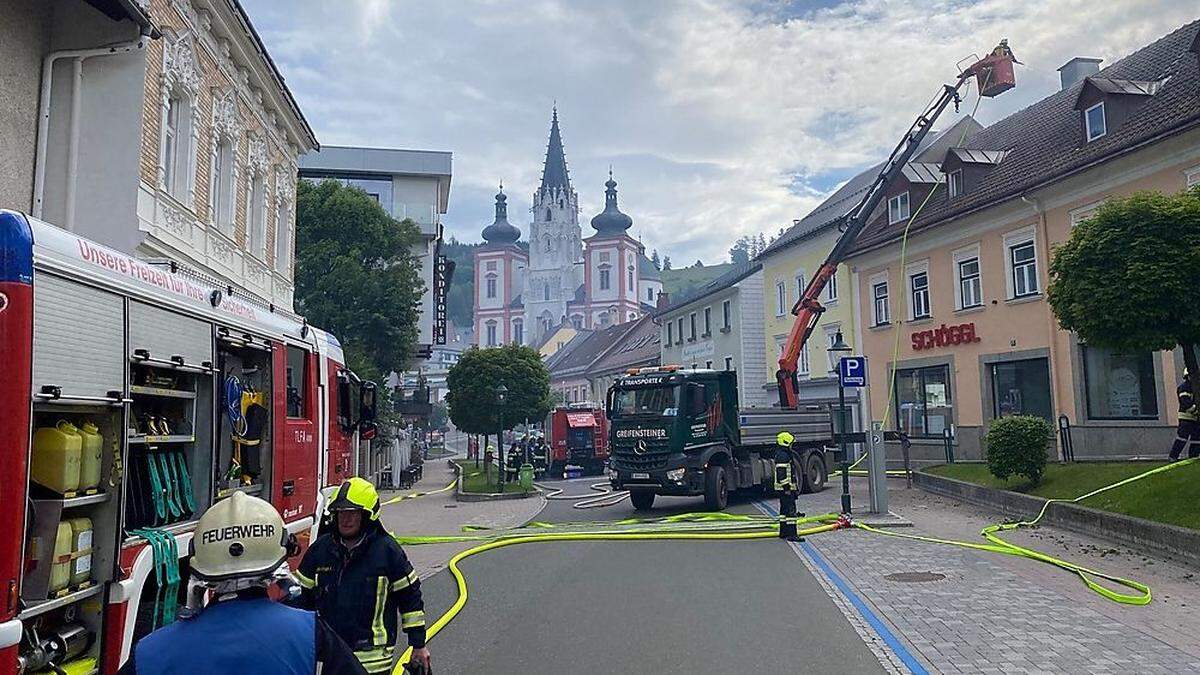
(679, 432)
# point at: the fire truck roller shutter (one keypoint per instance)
(165, 334)
(78, 337)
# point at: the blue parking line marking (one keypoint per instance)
(889, 638)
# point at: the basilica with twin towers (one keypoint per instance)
(565, 278)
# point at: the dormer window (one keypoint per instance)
(954, 183)
(898, 208)
(1093, 119)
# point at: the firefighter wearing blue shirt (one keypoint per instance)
(358, 579)
(238, 544)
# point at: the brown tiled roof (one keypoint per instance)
(635, 347)
(1045, 141)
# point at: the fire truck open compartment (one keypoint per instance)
(244, 416)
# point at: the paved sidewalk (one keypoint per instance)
(441, 514)
(993, 613)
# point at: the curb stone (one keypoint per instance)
(1161, 539)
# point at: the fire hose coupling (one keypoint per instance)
(843, 522)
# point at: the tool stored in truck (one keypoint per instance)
(680, 432)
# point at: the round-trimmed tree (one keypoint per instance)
(1127, 278)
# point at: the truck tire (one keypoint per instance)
(557, 471)
(814, 474)
(716, 488)
(643, 500)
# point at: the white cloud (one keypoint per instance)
(720, 117)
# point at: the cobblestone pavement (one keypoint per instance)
(998, 614)
(442, 514)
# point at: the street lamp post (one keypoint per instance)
(501, 395)
(838, 348)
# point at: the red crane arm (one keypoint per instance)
(808, 308)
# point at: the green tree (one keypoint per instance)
(472, 382)
(1016, 446)
(356, 275)
(1128, 276)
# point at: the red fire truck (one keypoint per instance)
(578, 437)
(134, 396)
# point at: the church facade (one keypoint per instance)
(523, 293)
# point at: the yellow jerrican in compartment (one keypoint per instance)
(56, 457)
(60, 572)
(91, 455)
(81, 541)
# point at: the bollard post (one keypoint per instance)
(1064, 434)
(905, 445)
(948, 436)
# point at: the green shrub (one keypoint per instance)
(1016, 446)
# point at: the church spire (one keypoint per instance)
(554, 173)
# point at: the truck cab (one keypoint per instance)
(679, 432)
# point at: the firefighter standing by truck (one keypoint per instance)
(238, 544)
(358, 580)
(1188, 434)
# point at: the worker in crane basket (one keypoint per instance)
(238, 545)
(360, 581)
(1187, 436)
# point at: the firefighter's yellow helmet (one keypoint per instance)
(356, 493)
(239, 537)
(785, 438)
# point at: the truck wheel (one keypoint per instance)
(643, 500)
(556, 471)
(716, 489)
(814, 473)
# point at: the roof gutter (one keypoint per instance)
(141, 18)
(1186, 126)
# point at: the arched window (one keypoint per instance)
(548, 215)
(576, 321)
(605, 278)
(518, 331)
(491, 333)
(545, 291)
(491, 285)
(549, 244)
(177, 146)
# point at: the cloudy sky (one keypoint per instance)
(719, 117)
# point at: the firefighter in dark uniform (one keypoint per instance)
(360, 582)
(1188, 434)
(238, 544)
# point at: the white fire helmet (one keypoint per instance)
(239, 537)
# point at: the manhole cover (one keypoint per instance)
(914, 577)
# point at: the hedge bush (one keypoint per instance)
(1016, 446)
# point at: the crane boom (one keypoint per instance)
(808, 308)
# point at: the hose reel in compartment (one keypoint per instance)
(244, 421)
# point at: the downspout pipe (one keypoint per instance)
(39, 163)
(1051, 327)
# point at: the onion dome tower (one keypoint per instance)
(611, 222)
(501, 232)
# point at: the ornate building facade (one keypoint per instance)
(523, 293)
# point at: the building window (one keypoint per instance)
(491, 333)
(222, 186)
(970, 287)
(728, 363)
(604, 280)
(519, 331)
(545, 291)
(1023, 260)
(780, 298)
(802, 366)
(1022, 388)
(1093, 120)
(177, 146)
(256, 212)
(491, 266)
(922, 400)
(954, 182)
(650, 295)
(879, 292)
(491, 286)
(919, 287)
(679, 331)
(604, 256)
(283, 235)
(799, 286)
(707, 321)
(898, 208)
(831, 289)
(1119, 386)
(726, 315)
(670, 336)
(630, 274)
(692, 327)
(576, 321)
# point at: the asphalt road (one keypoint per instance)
(641, 607)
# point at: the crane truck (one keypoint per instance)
(680, 432)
